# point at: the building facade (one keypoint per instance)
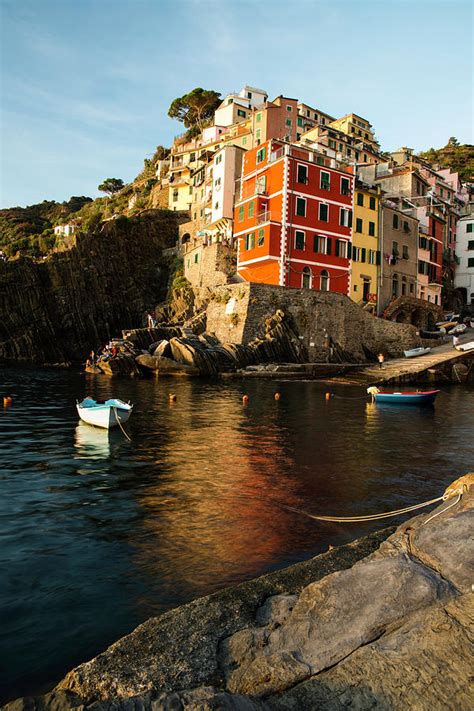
(399, 255)
(464, 277)
(366, 258)
(293, 219)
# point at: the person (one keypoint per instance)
(150, 320)
(381, 359)
(114, 351)
(456, 341)
(92, 357)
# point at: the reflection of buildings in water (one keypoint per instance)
(210, 520)
(91, 442)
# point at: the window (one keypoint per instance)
(358, 224)
(469, 227)
(345, 217)
(324, 280)
(323, 212)
(244, 141)
(341, 248)
(360, 199)
(405, 251)
(299, 239)
(250, 209)
(249, 95)
(298, 136)
(470, 262)
(192, 157)
(320, 244)
(470, 244)
(216, 206)
(261, 184)
(372, 229)
(302, 174)
(259, 117)
(258, 133)
(306, 278)
(196, 258)
(300, 121)
(325, 181)
(190, 189)
(395, 285)
(241, 113)
(372, 256)
(175, 195)
(261, 237)
(348, 151)
(372, 203)
(356, 254)
(345, 186)
(250, 240)
(288, 122)
(404, 286)
(332, 143)
(395, 222)
(289, 108)
(395, 251)
(241, 213)
(300, 207)
(412, 287)
(261, 154)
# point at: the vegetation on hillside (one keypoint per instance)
(458, 157)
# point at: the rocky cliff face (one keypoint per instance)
(56, 310)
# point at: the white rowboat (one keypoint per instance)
(107, 414)
(416, 352)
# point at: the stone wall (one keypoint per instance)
(209, 265)
(237, 313)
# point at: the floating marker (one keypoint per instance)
(328, 396)
(277, 396)
(245, 399)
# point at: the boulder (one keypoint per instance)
(163, 348)
(166, 366)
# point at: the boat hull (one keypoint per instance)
(415, 352)
(425, 398)
(107, 415)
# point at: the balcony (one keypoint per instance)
(264, 216)
(249, 190)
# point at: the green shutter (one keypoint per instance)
(328, 243)
(250, 211)
(470, 225)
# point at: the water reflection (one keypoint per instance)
(91, 442)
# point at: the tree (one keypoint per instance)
(195, 108)
(111, 186)
(453, 141)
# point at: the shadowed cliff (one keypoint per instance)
(55, 310)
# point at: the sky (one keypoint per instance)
(86, 84)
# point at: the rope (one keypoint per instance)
(120, 425)
(370, 517)
(443, 510)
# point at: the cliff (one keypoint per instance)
(55, 310)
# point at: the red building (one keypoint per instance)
(293, 218)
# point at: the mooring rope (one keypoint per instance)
(120, 425)
(376, 517)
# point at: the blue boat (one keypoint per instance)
(408, 398)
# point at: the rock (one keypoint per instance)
(276, 610)
(268, 673)
(165, 366)
(163, 349)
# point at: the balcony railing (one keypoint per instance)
(264, 216)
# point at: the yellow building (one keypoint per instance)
(365, 246)
(358, 128)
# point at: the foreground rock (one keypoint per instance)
(381, 623)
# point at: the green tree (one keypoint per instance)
(111, 186)
(195, 108)
(453, 141)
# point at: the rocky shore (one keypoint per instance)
(384, 623)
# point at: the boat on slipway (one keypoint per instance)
(415, 352)
(406, 398)
(107, 414)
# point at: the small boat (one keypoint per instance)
(457, 330)
(466, 346)
(416, 352)
(104, 414)
(408, 398)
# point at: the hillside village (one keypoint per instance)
(280, 192)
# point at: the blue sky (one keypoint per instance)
(86, 84)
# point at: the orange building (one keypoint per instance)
(293, 218)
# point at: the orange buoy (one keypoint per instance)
(172, 397)
(328, 396)
(277, 396)
(7, 401)
(245, 399)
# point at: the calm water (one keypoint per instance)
(98, 533)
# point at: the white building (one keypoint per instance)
(65, 230)
(227, 169)
(464, 275)
(238, 107)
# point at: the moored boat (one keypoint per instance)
(106, 414)
(414, 352)
(407, 398)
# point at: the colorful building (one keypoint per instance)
(365, 245)
(358, 128)
(293, 218)
(399, 255)
(464, 279)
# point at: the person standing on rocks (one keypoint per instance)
(381, 360)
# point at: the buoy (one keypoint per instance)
(245, 399)
(172, 397)
(328, 396)
(277, 396)
(7, 401)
